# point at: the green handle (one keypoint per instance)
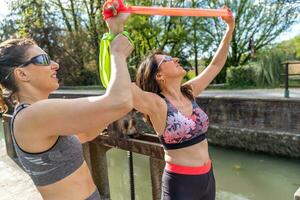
(104, 57)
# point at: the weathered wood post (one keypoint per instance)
(297, 194)
(95, 157)
(156, 171)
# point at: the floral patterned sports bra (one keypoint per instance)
(181, 130)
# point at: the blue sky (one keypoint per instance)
(290, 33)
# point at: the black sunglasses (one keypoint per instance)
(41, 60)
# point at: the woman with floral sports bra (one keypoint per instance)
(180, 123)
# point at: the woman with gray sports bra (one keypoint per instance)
(47, 133)
(179, 122)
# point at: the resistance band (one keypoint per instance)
(113, 7)
(104, 57)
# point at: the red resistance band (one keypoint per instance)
(113, 7)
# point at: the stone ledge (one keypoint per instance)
(272, 142)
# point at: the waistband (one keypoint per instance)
(188, 170)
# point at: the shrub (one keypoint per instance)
(271, 68)
(189, 75)
(241, 76)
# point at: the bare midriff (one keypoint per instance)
(77, 186)
(195, 155)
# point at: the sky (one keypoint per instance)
(288, 34)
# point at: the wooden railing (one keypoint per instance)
(292, 68)
(95, 153)
(261, 121)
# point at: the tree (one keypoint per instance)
(258, 23)
(7, 28)
(290, 47)
(68, 30)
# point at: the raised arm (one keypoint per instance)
(200, 82)
(85, 115)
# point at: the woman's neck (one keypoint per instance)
(32, 97)
(173, 91)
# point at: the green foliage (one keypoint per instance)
(270, 67)
(241, 76)
(7, 29)
(290, 47)
(258, 24)
(132, 72)
(70, 30)
(191, 74)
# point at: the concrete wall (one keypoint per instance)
(267, 125)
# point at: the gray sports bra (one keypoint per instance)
(54, 164)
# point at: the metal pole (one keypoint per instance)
(286, 91)
(131, 175)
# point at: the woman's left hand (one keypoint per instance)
(229, 20)
(117, 22)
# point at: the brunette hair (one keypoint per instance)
(12, 54)
(146, 78)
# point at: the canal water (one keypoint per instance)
(239, 175)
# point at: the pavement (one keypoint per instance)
(277, 93)
(14, 183)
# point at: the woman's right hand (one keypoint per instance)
(121, 46)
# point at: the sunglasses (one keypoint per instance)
(166, 58)
(40, 60)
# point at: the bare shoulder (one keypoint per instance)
(147, 102)
(27, 119)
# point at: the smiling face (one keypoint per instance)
(39, 71)
(169, 67)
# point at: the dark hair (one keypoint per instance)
(146, 78)
(12, 54)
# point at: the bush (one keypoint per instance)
(241, 76)
(271, 68)
(132, 72)
(189, 75)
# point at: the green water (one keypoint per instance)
(239, 175)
